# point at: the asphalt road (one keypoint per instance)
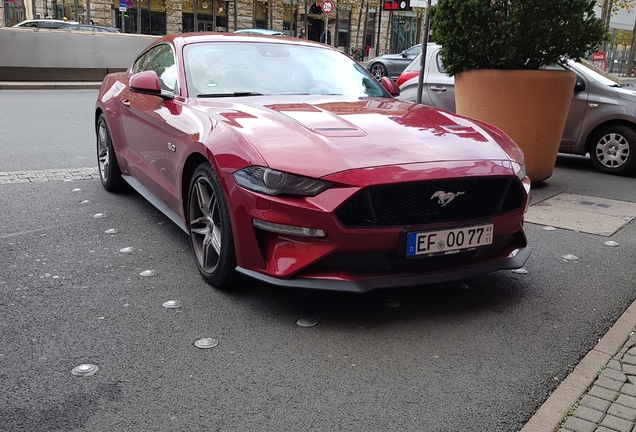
(480, 354)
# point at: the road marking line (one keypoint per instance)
(39, 176)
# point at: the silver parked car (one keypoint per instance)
(89, 28)
(392, 65)
(601, 121)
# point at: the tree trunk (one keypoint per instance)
(214, 10)
(358, 30)
(387, 40)
(632, 54)
(334, 36)
(606, 16)
(254, 12)
(364, 32)
(306, 21)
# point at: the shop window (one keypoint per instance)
(344, 16)
(403, 31)
(287, 18)
(369, 36)
(66, 9)
(13, 12)
(153, 17)
(204, 16)
(262, 13)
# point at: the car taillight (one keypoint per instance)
(405, 76)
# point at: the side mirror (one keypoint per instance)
(146, 82)
(390, 86)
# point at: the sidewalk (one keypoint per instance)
(600, 393)
(57, 85)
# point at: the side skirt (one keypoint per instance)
(155, 201)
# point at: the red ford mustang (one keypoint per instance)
(286, 161)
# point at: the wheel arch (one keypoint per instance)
(190, 165)
(589, 139)
(98, 112)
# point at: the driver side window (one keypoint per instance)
(161, 60)
(411, 53)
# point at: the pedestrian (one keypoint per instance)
(325, 37)
(302, 34)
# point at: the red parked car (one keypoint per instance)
(286, 161)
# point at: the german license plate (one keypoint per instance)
(448, 242)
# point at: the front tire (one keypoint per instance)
(211, 228)
(613, 150)
(109, 172)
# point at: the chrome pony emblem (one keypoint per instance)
(445, 197)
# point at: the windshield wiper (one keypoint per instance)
(235, 94)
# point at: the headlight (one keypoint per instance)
(273, 182)
(520, 170)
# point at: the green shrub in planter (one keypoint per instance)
(513, 34)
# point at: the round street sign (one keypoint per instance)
(129, 3)
(327, 7)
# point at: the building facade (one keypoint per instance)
(384, 32)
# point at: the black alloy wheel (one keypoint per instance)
(378, 70)
(109, 172)
(211, 228)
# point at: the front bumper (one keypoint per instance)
(359, 259)
(516, 260)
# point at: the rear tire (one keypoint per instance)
(109, 172)
(210, 228)
(613, 150)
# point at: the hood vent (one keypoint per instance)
(339, 132)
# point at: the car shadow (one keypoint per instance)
(496, 292)
(574, 161)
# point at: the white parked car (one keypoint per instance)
(44, 23)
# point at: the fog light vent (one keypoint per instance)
(288, 229)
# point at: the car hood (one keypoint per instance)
(326, 136)
(626, 93)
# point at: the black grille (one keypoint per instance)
(412, 203)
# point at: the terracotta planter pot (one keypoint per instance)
(530, 106)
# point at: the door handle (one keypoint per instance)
(126, 103)
(437, 88)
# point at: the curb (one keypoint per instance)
(61, 85)
(549, 416)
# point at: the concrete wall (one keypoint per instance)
(59, 55)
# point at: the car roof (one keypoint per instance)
(110, 29)
(190, 38)
(260, 31)
(44, 20)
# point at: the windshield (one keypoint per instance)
(217, 69)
